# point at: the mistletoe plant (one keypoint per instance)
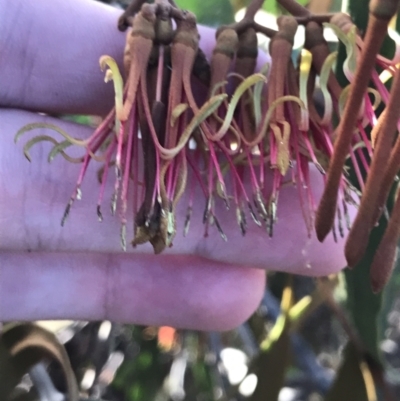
(181, 121)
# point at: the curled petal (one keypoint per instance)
(59, 149)
(41, 138)
(377, 97)
(35, 140)
(217, 86)
(387, 74)
(343, 100)
(205, 111)
(236, 143)
(324, 77)
(268, 117)
(114, 75)
(349, 40)
(177, 112)
(282, 139)
(30, 127)
(240, 90)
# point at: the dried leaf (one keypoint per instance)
(24, 345)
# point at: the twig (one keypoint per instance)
(294, 8)
(252, 9)
(376, 32)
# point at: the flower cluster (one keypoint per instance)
(222, 125)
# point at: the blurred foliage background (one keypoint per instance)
(328, 339)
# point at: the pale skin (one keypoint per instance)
(49, 63)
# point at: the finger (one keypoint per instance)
(51, 50)
(33, 197)
(50, 55)
(178, 291)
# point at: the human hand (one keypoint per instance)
(49, 63)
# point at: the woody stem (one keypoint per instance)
(294, 8)
(319, 18)
(376, 32)
(269, 32)
(252, 9)
(358, 237)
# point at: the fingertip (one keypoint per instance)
(188, 292)
(179, 291)
(51, 63)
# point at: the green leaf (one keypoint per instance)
(274, 359)
(271, 365)
(363, 304)
(270, 6)
(398, 22)
(349, 384)
(208, 12)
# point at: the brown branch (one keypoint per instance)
(376, 32)
(357, 240)
(269, 32)
(318, 18)
(252, 9)
(294, 8)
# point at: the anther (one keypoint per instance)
(219, 228)
(253, 214)
(187, 220)
(66, 212)
(99, 214)
(114, 203)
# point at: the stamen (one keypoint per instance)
(241, 220)
(207, 210)
(187, 220)
(259, 202)
(219, 228)
(253, 214)
(66, 211)
(104, 176)
(99, 214)
(123, 236)
(113, 203)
